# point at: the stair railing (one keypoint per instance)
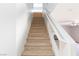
(66, 45)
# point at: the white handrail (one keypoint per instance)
(63, 37)
(62, 33)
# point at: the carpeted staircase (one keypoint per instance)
(38, 42)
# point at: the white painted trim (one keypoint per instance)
(51, 36)
(63, 37)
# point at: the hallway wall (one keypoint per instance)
(7, 29)
(66, 14)
(13, 24)
(49, 7)
(22, 26)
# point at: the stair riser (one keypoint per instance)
(38, 42)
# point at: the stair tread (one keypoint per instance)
(44, 38)
(33, 48)
(40, 52)
(38, 42)
(42, 47)
(38, 35)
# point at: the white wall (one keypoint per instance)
(66, 14)
(7, 29)
(49, 7)
(54, 15)
(37, 7)
(13, 20)
(51, 36)
(63, 12)
(22, 26)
